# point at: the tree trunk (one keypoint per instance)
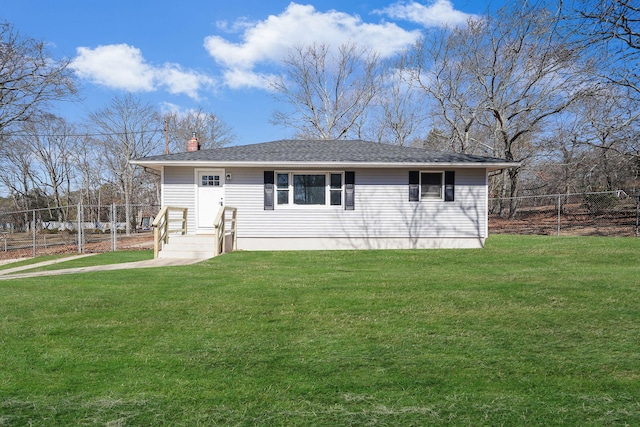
(513, 192)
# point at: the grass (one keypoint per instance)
(528, 331)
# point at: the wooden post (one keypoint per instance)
(224, 230)
(156, 242)
(234, 245)
(184, 221)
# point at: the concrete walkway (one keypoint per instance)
(16, 273)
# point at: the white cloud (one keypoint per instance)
(119, 66)
(171, 108)
(179, 81)
(239, 77)
(263, 44)
(123, 67)
(238, 25)
(438, 13)
(268, 41)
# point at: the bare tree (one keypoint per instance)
(327, 93)
(563, 158)
(212, 132)
(607, 125)
(29, 77)
(398, 116)
(439, 65)
(91, 183)
(88, 174)
(52, 141)
(532, 75)
(507, 75)
(16, 172)
(610, 29)
(129, 129)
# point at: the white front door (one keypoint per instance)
(209, 198)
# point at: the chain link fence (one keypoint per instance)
(612, 213)
(91, 229)
(75, 229)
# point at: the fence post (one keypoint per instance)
(559, 210)
(80, 249)
(637, 210)
(111, 225)
(33, 233)
(114, 226)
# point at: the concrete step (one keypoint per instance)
(169, 254)
(185, 247)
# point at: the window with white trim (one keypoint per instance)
(282, 188)
(309, 188)
(432, 185)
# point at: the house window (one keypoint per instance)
(283, 188)
(335, 191)
(309, 189)
(210, 180)
(432, 186)
(299, 189)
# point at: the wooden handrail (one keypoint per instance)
(224, 227)
(162, 226)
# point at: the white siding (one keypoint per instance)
(382, 210)
(179, 190)
(383, 215)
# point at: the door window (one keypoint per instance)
(210, 180)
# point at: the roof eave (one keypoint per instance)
(158, 164)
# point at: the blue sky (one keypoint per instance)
(182, 55)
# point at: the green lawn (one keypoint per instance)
(528, 331)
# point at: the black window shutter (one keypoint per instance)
(414, 186)
(349, 190)
(269, 179)
(449, 186)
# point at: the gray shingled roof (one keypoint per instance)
(319, 151)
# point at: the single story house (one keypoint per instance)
(317, 194)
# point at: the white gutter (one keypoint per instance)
(490, 166)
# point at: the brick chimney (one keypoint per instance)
(192, 144)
